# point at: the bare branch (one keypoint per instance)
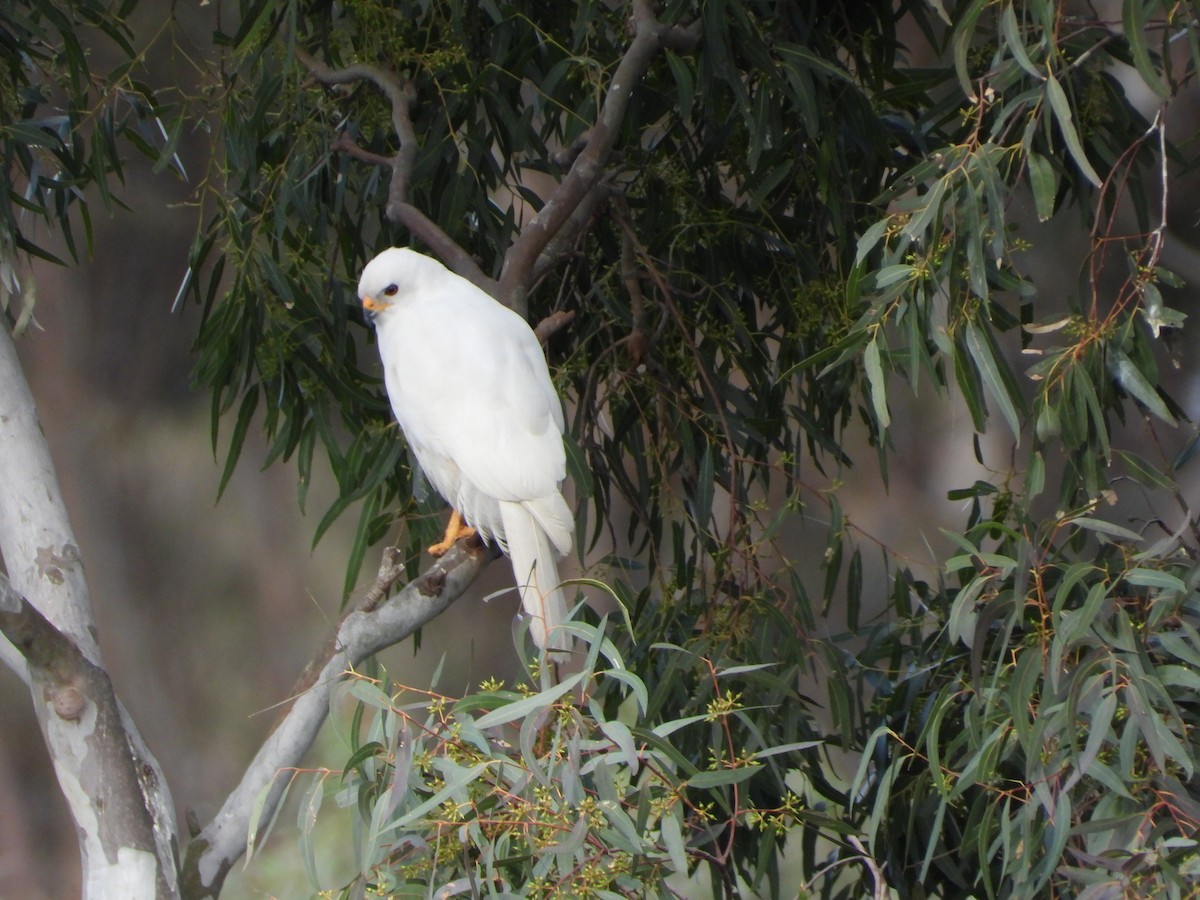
(563, 243)
(650, 36)
(38, 546)
(369, 628)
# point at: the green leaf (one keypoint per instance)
(1106, 528)
(877, 383)
(257, 832)
(869, 239)
(620, 735)
(889, 275)
(1035, 475)
(966, 376)
(989, 368)
(459, 777)
(1043, 183)
(930, 206)
(684, 82)
(1015, 42)
(672, 836)
(1134, 383)
(245, 416)
(524, 707)
(723, 777)
(964, 31)
(306, 821)
(1143, 471)
(1135, 31)
(1062, 114)
(1156, 578)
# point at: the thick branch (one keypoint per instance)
(650, 36)
(373, 626)
(563, 243)
(400, 96)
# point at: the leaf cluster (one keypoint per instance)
(1042, 740)
(66, 115)
(547, 789)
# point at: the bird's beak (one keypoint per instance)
(370, 304)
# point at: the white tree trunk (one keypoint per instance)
(115, 790)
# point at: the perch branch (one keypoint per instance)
(372, 626)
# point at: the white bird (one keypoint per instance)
(469, 385)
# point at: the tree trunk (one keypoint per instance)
(113, 786)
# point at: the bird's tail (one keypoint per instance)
(532, 552)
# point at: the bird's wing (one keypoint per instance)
(506, 433)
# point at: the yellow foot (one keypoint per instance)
(454, 530)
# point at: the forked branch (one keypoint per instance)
(375, 624)
(569, 208)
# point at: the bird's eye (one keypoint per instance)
(390, 290)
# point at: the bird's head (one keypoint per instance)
(392, 275)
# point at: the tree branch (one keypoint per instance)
(400, 95)
(113, 786)
(369, 628)
(552, 324)
(649, 36)
(563, 243)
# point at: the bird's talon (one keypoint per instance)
(454, 531)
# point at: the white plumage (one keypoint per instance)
(468, 384)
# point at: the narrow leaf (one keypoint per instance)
(1062, 114)
(989, 369)
(1135, 34)
(1041, 180)
(877, 384)
(1134, 383)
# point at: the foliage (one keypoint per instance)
(62, 127)
(550, 789)
(1055, 754)
(799, 219)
